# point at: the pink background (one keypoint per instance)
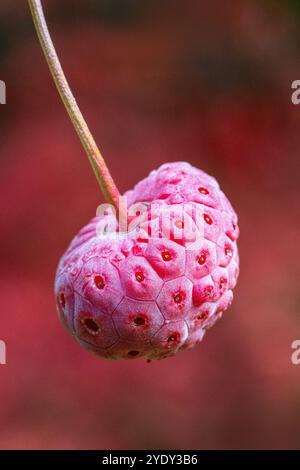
(157, 81)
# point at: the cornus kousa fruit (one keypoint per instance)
(141, 294)
(153, 270)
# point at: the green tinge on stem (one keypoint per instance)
(102, 173)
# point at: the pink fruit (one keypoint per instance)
(155, 287)
(141, 294)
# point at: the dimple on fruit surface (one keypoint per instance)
(154, 290)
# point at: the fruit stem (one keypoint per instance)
(107, 185)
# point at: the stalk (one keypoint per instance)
(103, 176)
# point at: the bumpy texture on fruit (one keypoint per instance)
(155, 289)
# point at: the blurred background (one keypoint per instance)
(157, 81)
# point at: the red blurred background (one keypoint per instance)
(157, 81)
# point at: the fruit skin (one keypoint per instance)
(140, 294)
